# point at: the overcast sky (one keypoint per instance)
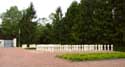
(43, 7)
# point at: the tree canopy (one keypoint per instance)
(87, 22)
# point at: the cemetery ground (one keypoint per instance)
(18, 57)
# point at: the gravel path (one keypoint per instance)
(17, 57)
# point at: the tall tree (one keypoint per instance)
(71, 22)
(56, 25)
(28, 26)
(10, 21)
(119, 23)
(96, 21)
(103, 21)
(86, 21)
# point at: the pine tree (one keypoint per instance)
(119, 23)
(28, 26)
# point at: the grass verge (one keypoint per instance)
(92, 56)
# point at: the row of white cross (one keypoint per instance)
(71, 48)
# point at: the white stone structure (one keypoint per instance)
(1, 43)
(72, 48)
(7, 42)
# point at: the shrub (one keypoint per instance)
(92, 56)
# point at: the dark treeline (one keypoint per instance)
(87, 22)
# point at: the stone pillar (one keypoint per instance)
(85, 47)
(101, 47)
(79, 48)
(111, 47)
(14, 42)
(95, 47)
(82, 47)
(108, 47)
(104, 47)
(1, 43)
(92, 47)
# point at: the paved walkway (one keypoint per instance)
(17, 57)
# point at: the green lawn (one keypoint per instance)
(92, 56)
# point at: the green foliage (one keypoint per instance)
(46, 38)
(119, 22)
(87, 22)
(27, 26)
(10, 21)
(90, 22)
(39, 33)
(56, 27)
(71, 23)
(92, 56)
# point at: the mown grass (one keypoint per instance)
(92, 56)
